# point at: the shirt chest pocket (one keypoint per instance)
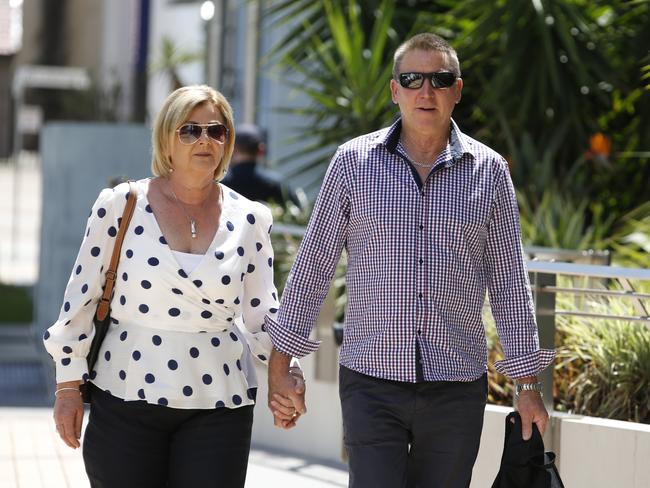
(462, 238)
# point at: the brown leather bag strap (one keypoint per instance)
(111, 272)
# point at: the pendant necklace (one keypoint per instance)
(192, 221)
(182, 207)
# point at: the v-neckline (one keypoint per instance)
(171, 251)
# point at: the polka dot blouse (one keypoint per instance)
(177, 338)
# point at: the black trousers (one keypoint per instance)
(137, 445)
(411, 435)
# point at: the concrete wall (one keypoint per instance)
(591, 452)
(78, 161)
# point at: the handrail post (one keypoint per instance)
(545, 315)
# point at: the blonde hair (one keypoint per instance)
(427, 42)
(175, 110)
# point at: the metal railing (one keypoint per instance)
(543, 278)
(543, 267)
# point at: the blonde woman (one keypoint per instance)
(174, 387)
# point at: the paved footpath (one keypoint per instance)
(32, 456)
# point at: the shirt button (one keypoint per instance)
(421, 226)
(419, 295)
(421, 260)
(419, 332)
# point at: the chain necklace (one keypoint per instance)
(415, 163)
(420, 165)
(192, 221)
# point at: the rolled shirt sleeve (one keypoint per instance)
(68, 340)
(508, 287)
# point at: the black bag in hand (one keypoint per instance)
(524, 464)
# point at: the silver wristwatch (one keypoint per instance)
(519, 387)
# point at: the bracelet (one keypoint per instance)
(66, 388)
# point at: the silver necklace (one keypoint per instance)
(420, 165)
(415, 163)
(182, 207)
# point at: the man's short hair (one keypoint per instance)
(427, 42)
(248, 138)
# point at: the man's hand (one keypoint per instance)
(286, 391)
(532, 411)
(69, 413)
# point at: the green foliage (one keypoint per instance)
(15, 304)
(170, 58)
(604, 365)
(562, 221)
(602, 368)
(346, 79)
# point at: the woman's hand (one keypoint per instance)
(69, 412)
(286, 391)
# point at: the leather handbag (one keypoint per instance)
(102, 318)
(524, 464)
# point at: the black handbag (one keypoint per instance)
(524, 464)
(102, 318)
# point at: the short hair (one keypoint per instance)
(427, 42)
(175, 110)
(249, 137)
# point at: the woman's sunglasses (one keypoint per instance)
(414, 80)
(190, 133)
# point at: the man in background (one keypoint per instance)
(246, 174)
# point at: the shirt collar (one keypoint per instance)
(457, 145)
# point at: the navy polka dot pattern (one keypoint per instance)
(172, 339)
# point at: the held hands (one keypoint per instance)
(69, 412)
(286, 391)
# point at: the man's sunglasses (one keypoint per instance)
(414, 80)
(190, 133)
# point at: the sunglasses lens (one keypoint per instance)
(443, 79)
(218, 132)
(411, 80)
(189, 133)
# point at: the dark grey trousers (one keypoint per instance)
(411, 435)
(137, 445)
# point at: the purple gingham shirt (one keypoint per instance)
(420, 258)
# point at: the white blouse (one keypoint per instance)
(178, 338)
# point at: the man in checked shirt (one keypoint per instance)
(429, 220)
